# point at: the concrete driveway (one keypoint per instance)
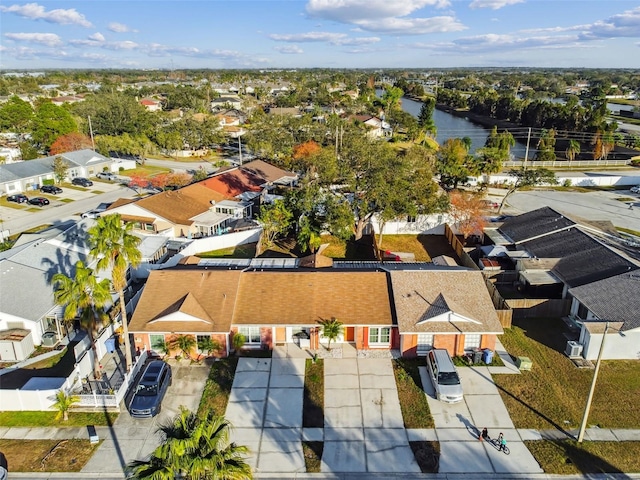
(458, 427)
(134, 439)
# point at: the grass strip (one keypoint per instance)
(553, 394)
(413, 400)
(218, 387)
(312, 452)
(568, 457)
(49, 419)
(427, 455)
(63, 455)
(313, 400)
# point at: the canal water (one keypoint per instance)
(450, 126)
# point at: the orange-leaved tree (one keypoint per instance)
(467, 212)
(69, 143)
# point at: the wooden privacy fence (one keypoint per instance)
(503, 310)
(539, 307)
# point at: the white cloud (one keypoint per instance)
(493, 4)
(98, 37)
(48, 39)
(120, 28)
(289, 49)
(355, 11)
(124, 45)
(34, 11)
(328, 37)
(625, 24)
(414, 26)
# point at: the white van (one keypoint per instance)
(444, 376)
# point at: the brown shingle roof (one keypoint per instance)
(421, 296)
(303, 298)
(233, 182)
(206, 295)
(266, 171)
(178, 206)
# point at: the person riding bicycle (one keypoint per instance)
(502, 441)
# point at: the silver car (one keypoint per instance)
(444, 376)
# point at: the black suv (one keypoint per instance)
(18, 198)
(83, 182)
(50, 189)
(150, 390)
(40, 201)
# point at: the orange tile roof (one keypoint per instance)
(233, 183)
(193, 300)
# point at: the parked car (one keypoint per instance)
(83, 182)
(106, 176)
(635, 189)
(150, 390)
(50, 189)
(18, 198)
(444, 376)
(40, 201)
(91, 214)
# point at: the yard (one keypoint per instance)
(239, 251)
(424, 247)
(413, 401)
(49, 455)
(218, 388)
(553, 394)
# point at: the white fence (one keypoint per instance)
(200, 245)
(567, 164)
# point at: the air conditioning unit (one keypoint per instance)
(574, 349)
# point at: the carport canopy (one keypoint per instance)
(540, 277)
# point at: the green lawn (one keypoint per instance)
(313, 400)
(413, 400)
(49, 419)
(568, 457)
(218, 388)
(240, 251)
(553, 394)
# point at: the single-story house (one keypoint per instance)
(410, 311)
(31, 175)
(226, 102)
(615, 300)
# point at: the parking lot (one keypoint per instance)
(72, 202)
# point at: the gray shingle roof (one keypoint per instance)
(582, 258)
(616, 299)
(42, 166)
(532, 224)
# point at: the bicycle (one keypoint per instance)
(501, 448)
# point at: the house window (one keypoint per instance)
(149, 227)
(157, 342)
(582, 312)
(411, 219)
(251, 334)
(425, 343)
(472, 340)
(379, 335)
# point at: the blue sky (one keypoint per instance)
(319, 33)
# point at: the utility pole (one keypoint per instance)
(526, 152)
(585, 417)
(93, 144)
(240, 148)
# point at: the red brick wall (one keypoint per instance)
(448, 342)
(395, 337)
(362, 338)
(488, 341)
(409, 346)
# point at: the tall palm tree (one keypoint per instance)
(331, 329)
(83, 295)
(184, 343)
(116, 247)
(194, 449)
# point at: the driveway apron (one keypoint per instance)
(135, 438)
(364, 431)
(265, 407)
(458, 427)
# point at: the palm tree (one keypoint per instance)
(331, 329)
(184, 343)
(85, 295)
(573, 149)
(207, 344)
(116, 247)
(237, 341)
(194, 449)
(63, 403)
